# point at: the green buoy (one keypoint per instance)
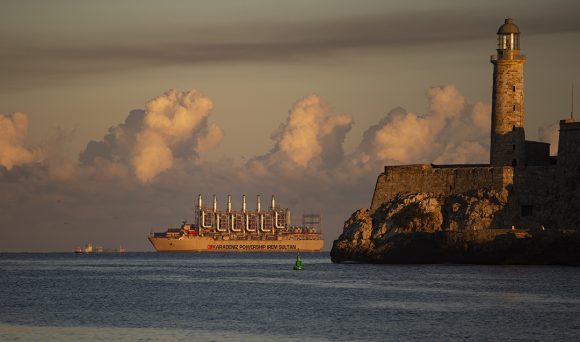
(298, 264)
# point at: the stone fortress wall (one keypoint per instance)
(534, 191)
(441, 180)
(542, 190)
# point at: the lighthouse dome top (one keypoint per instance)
(508, 27)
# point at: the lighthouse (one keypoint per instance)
(507, 113)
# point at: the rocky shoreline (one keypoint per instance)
(423, 228)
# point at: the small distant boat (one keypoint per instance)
(88, 248)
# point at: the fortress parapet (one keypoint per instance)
(441, 180)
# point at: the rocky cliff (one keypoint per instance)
(464, 228)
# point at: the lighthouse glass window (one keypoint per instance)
(503, 42)
(508, 42)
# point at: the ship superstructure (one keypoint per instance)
(267, 230)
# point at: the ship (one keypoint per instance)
(88, 248)
(227, 230)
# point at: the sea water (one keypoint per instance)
(259, 297)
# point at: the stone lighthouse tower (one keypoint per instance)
(507, 113)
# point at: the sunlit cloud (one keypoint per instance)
(173, 125)
(311, 137)
(451, 131)
(148, 168)
(13, 148)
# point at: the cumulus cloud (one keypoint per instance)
(211, 136)
(466, 152)
(549, 133)
(451, 131)
(162, 144)
(13, 148)
(152, 156)
(312, 137)
(173, 125)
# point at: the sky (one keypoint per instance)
(115, 115)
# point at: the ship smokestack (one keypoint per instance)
(229, 203)
(273, 202)
(258, 206)
(214, 203)
(243, 203)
